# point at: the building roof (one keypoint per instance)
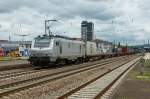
(3, 41)
(16, 42)
(21, 42)
(102, 41)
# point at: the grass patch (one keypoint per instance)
(5, 58)
(145, 76)
(147, 63)
(135, 73)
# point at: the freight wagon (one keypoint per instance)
(58, 49)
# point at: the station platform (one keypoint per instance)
(13, 64)
(13, 58)
(135, 85)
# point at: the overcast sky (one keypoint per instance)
(119, 20)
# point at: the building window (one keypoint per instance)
(69, 45)
(57, 43)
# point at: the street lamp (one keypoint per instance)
(22, 35)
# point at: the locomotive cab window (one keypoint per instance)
(57, 43)
(42, 42)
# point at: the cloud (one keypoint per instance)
(115, 19)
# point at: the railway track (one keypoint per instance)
(99, 87)
(32, 81)
(17, 72)
(23, 71)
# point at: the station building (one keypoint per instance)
(26, 44)
(103, 46)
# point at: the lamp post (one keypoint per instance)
(23, 35)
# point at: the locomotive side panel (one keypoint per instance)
(68, 49)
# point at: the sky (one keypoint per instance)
(126, 21)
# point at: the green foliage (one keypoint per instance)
(135, 73)
(147, 63)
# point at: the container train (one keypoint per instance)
(57, 49)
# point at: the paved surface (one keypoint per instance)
(13, 62)
(147, 56)
(133, 88)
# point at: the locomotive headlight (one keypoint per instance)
(32, 54)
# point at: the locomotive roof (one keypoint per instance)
(53, 36)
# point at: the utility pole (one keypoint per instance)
(142, 61)
(47, 27)
(9, 39)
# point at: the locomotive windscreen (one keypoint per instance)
(41, 43)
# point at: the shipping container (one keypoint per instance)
(124, 50)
